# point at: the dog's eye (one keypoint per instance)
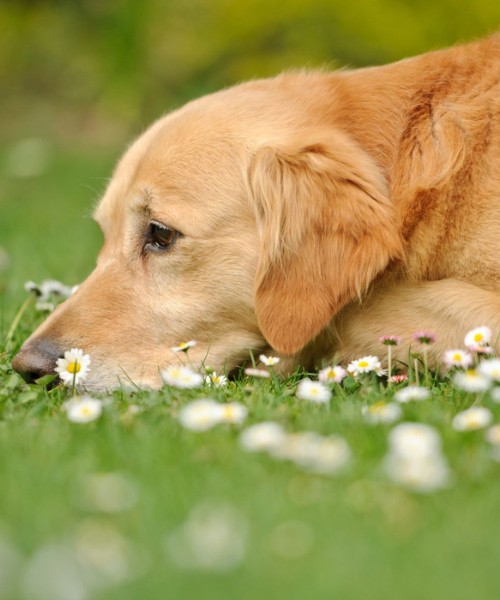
(159, 237)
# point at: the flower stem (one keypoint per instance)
(15, 322)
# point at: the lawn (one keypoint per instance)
(135, 505)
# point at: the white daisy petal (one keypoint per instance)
(182, 377)
(366, 364)
(73, 367)
(314, 391)
(475, 417)
(83, 409)
(412, 392)
(332, 374)
(269, 361)
(480, 336)
(262, 437)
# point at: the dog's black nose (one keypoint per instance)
(36, 359)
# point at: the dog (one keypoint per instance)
(303, 215)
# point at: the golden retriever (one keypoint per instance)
(304, 215)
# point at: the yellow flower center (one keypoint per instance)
(363, 363)
(457, 356)
(85, 411)
(478, 337)
(74, 367)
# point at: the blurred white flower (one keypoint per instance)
(213, 538)
(108, 492)
(49, 292)
(490, 368)
(185, 346)
(54, 572)
(262, 437)
(73, 368)
(259, 373)
(269, 361)
(414, 439)
(492, 435)
(366, 364)
(415, 460)
(216, 380)
(475, 417)
(480, 336)
(471, 381)
(423, 474)
(382, 412)
(182, 377)
(200, 415)
(313, 452)
(83, 409)
(332, 374)
(330, 454)
(314, 391)
(457, 358)
(412, 392)
(232, 412)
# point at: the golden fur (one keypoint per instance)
(318, 211)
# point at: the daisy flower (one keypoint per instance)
(412, 392)
(73, 367)
(382, 412)
(424, 337)
(414, 440)
(216, 380)
(475, 417)
(332, 374)
(401, 378)
(269, 361)
(83, 410)
(297, 447)
(481, 349)
(200, 415)
(471, 381)
(232, 412)
(366, 364)
(262, 437)
(314, 391)
(328, 455)
(424, 474)
(182, 377)
(480, 336)
(261, 373)
(495, 394)
(184, 347)
(492, 435)
(390, 340)
(490, 368)
(457, 358)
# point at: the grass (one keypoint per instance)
(350, 535)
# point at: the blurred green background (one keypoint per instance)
(80, 78)
(100, 70)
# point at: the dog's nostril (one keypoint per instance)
(36, 359)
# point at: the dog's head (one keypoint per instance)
(245, 220)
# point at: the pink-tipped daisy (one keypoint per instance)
(424, 337)
(457, 358)
(390, 340)
(478, 337)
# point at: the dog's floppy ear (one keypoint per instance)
(326, 227)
